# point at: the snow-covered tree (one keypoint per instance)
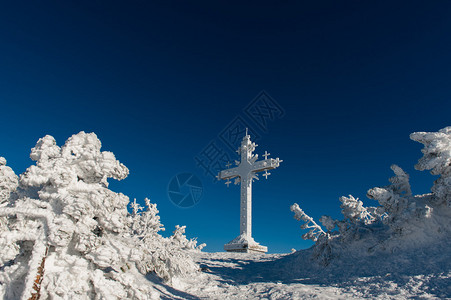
(8, 181)
(8, 184)
(400, 182)
(437, 158)
(399, 216)
(145, 222)
(396, 199)
(166, 257)
(66, 235)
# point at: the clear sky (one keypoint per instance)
(157, 81)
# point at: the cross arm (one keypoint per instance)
(227, 174)
(267, 164)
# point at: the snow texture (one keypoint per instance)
(240, 276)
(65, 235)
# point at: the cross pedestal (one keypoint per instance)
(245, 173)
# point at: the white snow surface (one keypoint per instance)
(296, 276)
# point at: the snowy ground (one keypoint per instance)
(244, 276)
(251, 276)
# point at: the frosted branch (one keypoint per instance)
(353, 209)
(315, 231)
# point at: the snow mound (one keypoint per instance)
(65, 235)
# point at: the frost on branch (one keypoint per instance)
(437, 158)
(315, 231)
(96, 249)
(354, 211)
(400, 182)
(322, 252)
(397, 203)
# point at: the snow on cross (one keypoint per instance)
(245, 173)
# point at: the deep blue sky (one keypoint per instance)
(157, 81)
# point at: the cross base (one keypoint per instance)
(245, 244)
(242, 249)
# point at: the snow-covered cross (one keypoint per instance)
(245, 173)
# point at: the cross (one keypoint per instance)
(228, 164)
(266, 155)
(245, 172)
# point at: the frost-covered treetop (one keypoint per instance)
(80, 159)
(437, 158)
(65, 235)
(437, 151)
(8, 180)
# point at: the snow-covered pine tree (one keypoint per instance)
(166, 257)
(179, 238)
(8, 181)
(400, 218)
(65, 235)
(437, 158)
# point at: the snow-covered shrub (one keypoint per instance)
(396, 201)
(66, 235)
(400, 218)
(179, 238)
(160, 255)
(145, 224)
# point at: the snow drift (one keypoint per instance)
(64, 234)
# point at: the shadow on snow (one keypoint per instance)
(414, 270)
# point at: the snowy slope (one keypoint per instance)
(294, 276)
